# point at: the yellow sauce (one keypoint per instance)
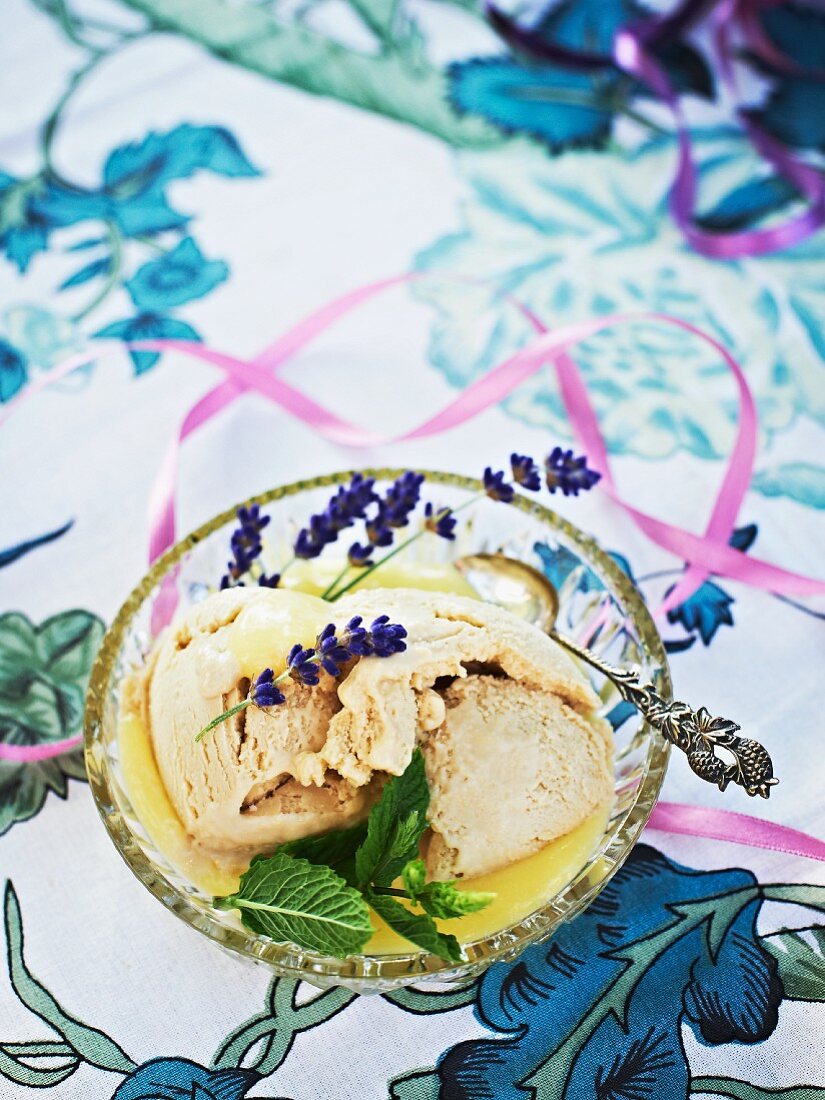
(520, 888)
(316, 576)
(271, 627)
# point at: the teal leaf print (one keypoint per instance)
(705, 611)
(148, 326)
(44, 672)
(797, 481)
(88, 1043)
(19, 1062)
(13, 372)
(176, 154)
(560, 107)
(584, 234)
(90, 271)
(175, 278)
(800, 956)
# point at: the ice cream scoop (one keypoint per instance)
(501, 712)
(528, 593)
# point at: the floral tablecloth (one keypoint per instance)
(213, 170)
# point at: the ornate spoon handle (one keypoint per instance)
(695, 732)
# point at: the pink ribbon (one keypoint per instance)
(709, 553)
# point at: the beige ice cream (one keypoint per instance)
(504, 717)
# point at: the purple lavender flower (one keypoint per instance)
(270, 581)
(355, 637)
(525, 472)
(332, 651)
(302, 666)
(385, 638)
(440, 521)
(245, 544)
(565, 471)
(345, 506)
(377, 530)
(401, 498)
(264, 691)
(358, 555)
(496, 487)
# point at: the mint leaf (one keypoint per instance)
(392, 839)
(331, 849)
(418, 928)
(296, 901)
(414, 875)
(442, 900)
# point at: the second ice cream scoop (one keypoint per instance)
(713, 748)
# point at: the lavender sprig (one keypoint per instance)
(440, 521)
(348, 504)
(245, 544)
(331, 653)
(568, 472)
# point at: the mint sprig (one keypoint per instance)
(304, 903)
(315, 891)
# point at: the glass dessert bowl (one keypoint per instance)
(599, 606)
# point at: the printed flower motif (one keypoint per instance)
(661, 946)
(586, 234)
(43, 338)
(178, 277)
(180, 1079)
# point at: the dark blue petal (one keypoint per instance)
(518, 99)
(744, 537)
(178, 1078)
(706, 610)
(145, 327)
(180, 276)
(20, 549)
(642, 1057)
(793, 112)
(588, 24)
(736, 997)
(13, 371)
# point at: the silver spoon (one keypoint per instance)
(530, 595)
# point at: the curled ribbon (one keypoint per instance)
(705, 554)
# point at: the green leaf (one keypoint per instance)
(293, 900)
(797, 893)
(333, 849)
(44, 673)
(443, 901)
(734, 1089)
(801, 958)
(88, 1043)
(391, 838)
(414, 875)
(16, 1063)
(424, 1084)
(418, 928)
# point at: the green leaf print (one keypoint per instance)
(44, 672)
(801, 958)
